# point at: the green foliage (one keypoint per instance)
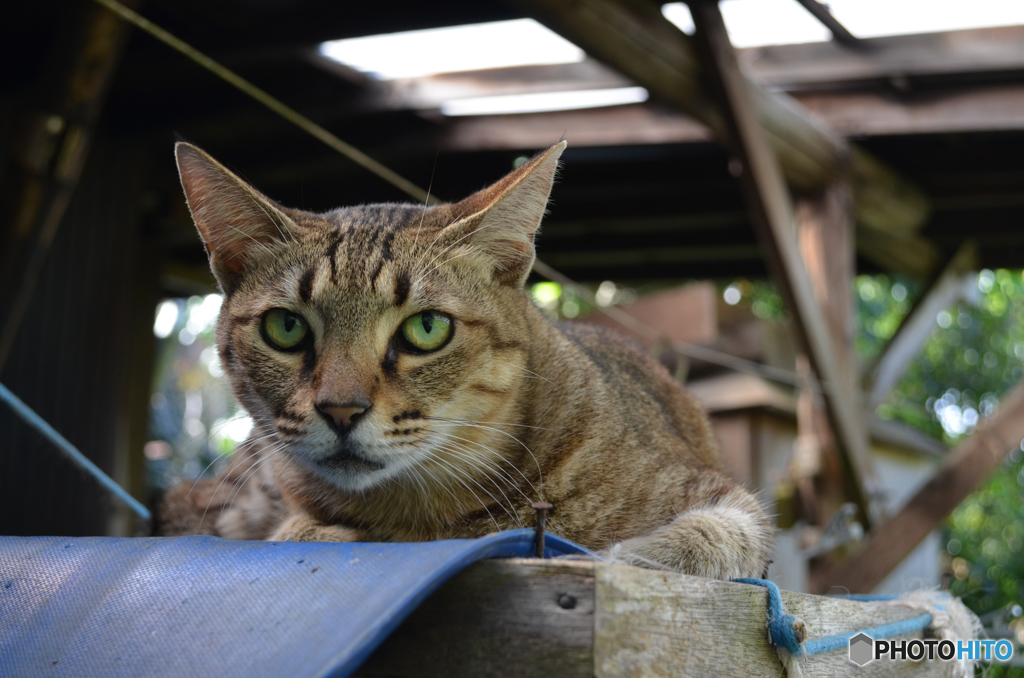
(973, 356)
(759, 296)
(986, 535)
(194, 420)
(882, 304)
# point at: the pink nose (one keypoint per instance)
(342, 416)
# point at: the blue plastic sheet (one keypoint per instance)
(204, 606)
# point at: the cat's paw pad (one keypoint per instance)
(304, 528)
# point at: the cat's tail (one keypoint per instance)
(729, 537)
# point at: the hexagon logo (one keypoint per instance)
(862, 649)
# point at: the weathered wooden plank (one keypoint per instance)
(949, 287)
(826, 240)
(512, 618)
(635, 38)
(516, 617)
(966, 467)
(772, 215)
(977, 109)
(651, 623)
(973, 51)
(612, 126)
(687, 314)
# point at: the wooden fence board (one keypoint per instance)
(504, 618)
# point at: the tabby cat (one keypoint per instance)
(404, 388)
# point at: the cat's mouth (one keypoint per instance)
(346, 460)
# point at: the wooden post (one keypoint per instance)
(947, 288)
(825, 235)
(54, 142)
(772, 215)
(966, 467)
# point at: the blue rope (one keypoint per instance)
(37, 422)
(783, 634)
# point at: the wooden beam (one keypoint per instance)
(825, 235)
(615, 126)
(771, 212)
(974, 109)
(688, 314)
(633, 37)
(957, 53)
(53, 144)
(949, 287)
(966, 467)
(906, 253)
(646, 256)
(993, 108)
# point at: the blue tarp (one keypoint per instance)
(204, 606)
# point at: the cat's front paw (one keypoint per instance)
(304, 528)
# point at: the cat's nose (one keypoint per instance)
(343, 416)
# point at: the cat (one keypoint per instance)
(404, 387)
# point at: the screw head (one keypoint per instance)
(566, 601)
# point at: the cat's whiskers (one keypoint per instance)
(414, 475)
(213, 494)
(495, 465)
(236, 448)
(458, 502)
(250, 473)
(468, 457)
(532, 375)
(249, 236)
(467, 250)
(460, 422)
(485, 463)
(239, 482)
(455, 473)
(280, 231)
(273, 480)
(440, 254)
(426, 201)
(433, 242)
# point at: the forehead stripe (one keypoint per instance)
(306, 284)
(401, 288)
(331, 252)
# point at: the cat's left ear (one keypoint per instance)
(500, 221)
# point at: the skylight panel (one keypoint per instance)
(754, 23)
(877, 18)
(539, 102)
(411, 54)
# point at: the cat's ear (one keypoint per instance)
(500, 221)
(235, 221)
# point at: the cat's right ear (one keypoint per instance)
(235, 221)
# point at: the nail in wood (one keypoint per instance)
(542, 508)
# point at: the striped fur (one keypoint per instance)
(458, 442)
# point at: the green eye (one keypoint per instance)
(283, 329)
(427, 331)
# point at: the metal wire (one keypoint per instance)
(276, 105)
(40, 425)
